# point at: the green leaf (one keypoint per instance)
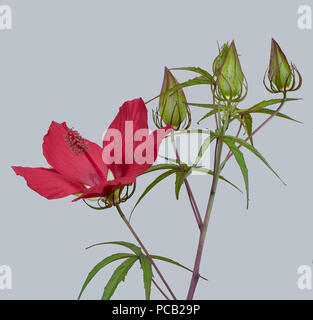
(188, 83)
(173, 262)
(279, 114)
(205, 105)
(153, 184)
(118, 275)
(128, 245)
(180, 179)
(241, 162)
(162, 167)
(254, 151)
(248, 125)
(210, 172)
(198, 70)
(147, 275)
(265, 103)
(171, 159)
(206, 143)
(239, 118)
(102, 264)
(209, 114)
(178, 183)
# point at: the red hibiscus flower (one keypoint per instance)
(81, 167)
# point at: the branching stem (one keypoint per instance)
(258, 128)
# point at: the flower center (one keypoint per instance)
(80, 147)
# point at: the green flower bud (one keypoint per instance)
(172, 106)
(279, 71)
(230, 80)
(281, 75)
(218, 61)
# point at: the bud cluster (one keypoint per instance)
(228, 85)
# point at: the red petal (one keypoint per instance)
(135, 113)
(105, 188)
(62, 158)
(151, 148)
(47, 182)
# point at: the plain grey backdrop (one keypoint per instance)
(78, 61)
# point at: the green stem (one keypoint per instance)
(217, 161)
(144, 249)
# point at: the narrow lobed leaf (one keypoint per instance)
(188, 83)
(162, 166)
(241, 162)
(205, 105)
(178, 183)
(128, 245)
(118, 275)
(198, 70)
(254, 151)
(147, 275)
(153, 184)
(265, 103)
(102, 264)
(210, 172)
(173, 262)
(209, 114)
(279, 114)
(205, 145)
(248, 125)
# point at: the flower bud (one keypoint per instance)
(279, 70)
(173, 108)
(281, 74)
(218, 61)
(230, 82)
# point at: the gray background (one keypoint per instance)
(77, 61)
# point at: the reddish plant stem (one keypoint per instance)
(203, 231)
(193, 203)
(144, 249)
(196, 274)
(158, 287)
(215, 112)
(218, 166)
(191, 197)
